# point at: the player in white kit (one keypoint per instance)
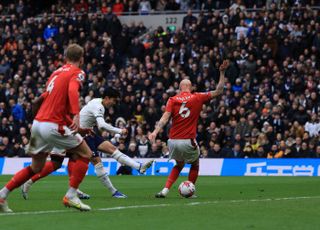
(92, 115)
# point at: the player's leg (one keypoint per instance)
(49, 167)
(21, 177)
(182, 151)
(122, 158)
(103, 176)
(191, 155)
(80, 194)
(38, 148)
(174, 174)
(78, 168)
(94, 142)
(78, 148)
(194, 171)
(193, 174)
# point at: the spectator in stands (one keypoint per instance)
(143, 146)
(275, 152)
(17, 111)
(5, 148)
(161, 4)
(236, 151)
(118, 8)
(214, 150)
(317, 154)
(172, 5)
(132, 150)
(154, 152)
(238, 4)
(144, 7)
(313, 126)
(188, 20)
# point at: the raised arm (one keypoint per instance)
(161, 123)
(220, 86)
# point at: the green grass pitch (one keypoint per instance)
(222, 203)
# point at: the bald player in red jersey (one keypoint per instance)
(56, 125)
(184, 110)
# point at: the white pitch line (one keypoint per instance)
(164, 205)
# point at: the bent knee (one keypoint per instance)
(95, 160)
(36, 169)
(180, 164)
(82, 150)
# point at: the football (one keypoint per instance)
(186, 189)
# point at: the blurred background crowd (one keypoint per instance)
(270, 107)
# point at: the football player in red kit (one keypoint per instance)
(184, 110)
(56, 125)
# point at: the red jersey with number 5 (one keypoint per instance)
(185, 110)
(61, 99)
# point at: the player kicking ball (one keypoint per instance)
(91, 115)
(184, 110)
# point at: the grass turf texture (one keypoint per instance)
(222, 203)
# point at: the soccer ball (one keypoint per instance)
(186, 189)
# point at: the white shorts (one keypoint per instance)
(58, 152)
(186, 150)
(45, 137)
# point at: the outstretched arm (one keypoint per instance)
(107, 127)
(220, 86)
(161, 123)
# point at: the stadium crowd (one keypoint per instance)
(270, 106)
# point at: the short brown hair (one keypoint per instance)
(74, 53)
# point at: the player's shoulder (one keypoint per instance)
(78, 73)
(77, 70)
(183, 97)
(96, 103)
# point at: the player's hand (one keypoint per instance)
(85, 131)
(75, 124)
(124, 132)
(152, 137)
(224, 65)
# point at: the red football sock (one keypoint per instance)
(193, 174)
(78, 172)
(46, 170)
(20, 178)
(70, 166)
(173, 176)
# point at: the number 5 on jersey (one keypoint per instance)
(184, 111)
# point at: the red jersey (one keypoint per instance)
(61, 99)
(185, 110)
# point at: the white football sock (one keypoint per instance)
(103, 177)
(4, 192)
(27, 185)
(72, 192)
(125, 160)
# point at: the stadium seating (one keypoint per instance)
(270, 106)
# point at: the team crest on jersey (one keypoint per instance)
(81, 76)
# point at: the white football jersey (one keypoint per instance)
(90, 112)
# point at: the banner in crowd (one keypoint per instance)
(208, 167)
